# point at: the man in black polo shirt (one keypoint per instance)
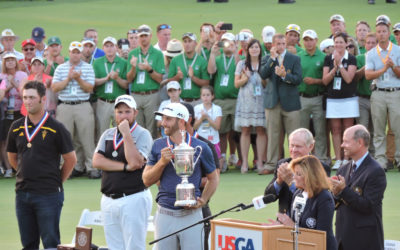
(122, 153)
(34, 146)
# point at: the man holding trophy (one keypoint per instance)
(176, 162)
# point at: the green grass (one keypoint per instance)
(69, 18)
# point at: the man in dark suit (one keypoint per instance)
(358, 189)
(281, 97)
(301, 143)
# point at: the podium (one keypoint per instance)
(231, 234)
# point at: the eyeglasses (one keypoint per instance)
(351, 46)
(133, 31)
(163, 27)
(145, 30)
(29, 49)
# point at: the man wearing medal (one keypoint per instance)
(190, 70)
(34, 146)
(110, 82)
(145, 70)
(159, 169)
(126, 202)
(383, 66)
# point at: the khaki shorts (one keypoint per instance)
(228, 107)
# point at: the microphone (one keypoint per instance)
(300, 202)
(260, 202)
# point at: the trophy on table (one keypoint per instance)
(184, 167)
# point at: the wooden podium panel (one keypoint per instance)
(231, 234)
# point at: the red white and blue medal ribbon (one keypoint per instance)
(195, 134)
(117, 143)
(188, 141)
(29, 137)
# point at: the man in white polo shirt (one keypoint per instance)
(74, 81)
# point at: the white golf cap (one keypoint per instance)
(127, 99)
(396, 27)
(75, 45)
(228, 36)
(267, 33)
(37, 58)
(173, 85)
(293, 27)
(336, 17)
(110, 39)
(326, 43)
(310, 33)
(175, 110)
(88, 40)
(189, 35)
(8, 33)
(144, 30)
(9, 55)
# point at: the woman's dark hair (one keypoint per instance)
(341, 34)
(248, 57)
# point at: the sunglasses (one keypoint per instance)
(350, 46)
(133, 31)
(145, 30)
(29, 49)
(163, 27)
(293, 27)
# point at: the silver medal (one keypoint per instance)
(115, 154)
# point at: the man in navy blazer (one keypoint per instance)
(281, 97)
(358, 189)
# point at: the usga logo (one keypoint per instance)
(226, 242)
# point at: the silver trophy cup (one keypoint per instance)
(184, 167)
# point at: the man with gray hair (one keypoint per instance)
(358, 188)
(301, 143)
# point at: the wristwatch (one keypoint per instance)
(150, 71)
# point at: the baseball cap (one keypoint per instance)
(336, 17)
(110, 39)
(87, 40)
(127, 99)
(175, 110)
(8, 33)
(267, 33)
(122, 41)
(293, 27)
(37, 58)
(310, 33)
(53, 40)
(396, 27)
(174, 48)
(326, 43)
(76, 45)
(144, 30)
(228, 36)
(383, 19)
(38, 34)
(28, 41)
(173, 85)
(190, 35)
(9, 55)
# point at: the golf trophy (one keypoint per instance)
(184, 167)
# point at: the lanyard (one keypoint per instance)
(140, 56)
(117, 143)
(387, 56)
(204, 53)
(191, 65)
(29, 137)
(112, 67)
(229, 63)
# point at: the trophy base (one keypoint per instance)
(185, 203)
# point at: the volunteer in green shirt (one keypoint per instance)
(292, 37)
(364, 86)
(362, 29)
(110, 82)
(224, 66)
(145, 71)
(310, 91)
(54, 57)
(207, 38)
(267, 33)
(189, 69)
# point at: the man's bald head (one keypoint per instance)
(359, 132)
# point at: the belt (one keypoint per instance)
(175, 213)
(309, 95)
(388, 89)
(365, 96)
(120, 195)
(72, 102)
(105, 100)
(145, 92)
(190, 99)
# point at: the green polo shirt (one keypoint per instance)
(298, 49)
(99, 66)
(362, 50)
(229, 91)
(393, 39)
(55, 65)
(312, 66)
(363, 85)
(199, 71)
(156, 60)
(264, 50)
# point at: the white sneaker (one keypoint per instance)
(337, 164)
(233, 159)
(8, 173)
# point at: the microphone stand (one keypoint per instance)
(241, 207)
(296, 230)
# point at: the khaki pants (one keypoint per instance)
(79, 121)
(313, 107)
(147, 105)
(366, 119)
(382, 105)
(276, 117)
(104, 117)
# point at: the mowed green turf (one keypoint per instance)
(69, 18)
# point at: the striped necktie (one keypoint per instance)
(353, 169)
